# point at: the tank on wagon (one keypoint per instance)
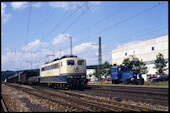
(125, 75)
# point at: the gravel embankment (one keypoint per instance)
(18, 101)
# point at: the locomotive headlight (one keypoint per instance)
(70, 76)
(83, 76)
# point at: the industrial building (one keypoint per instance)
(146, 51)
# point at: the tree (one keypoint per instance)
(160, 64)
(141, 67)
(127, 63)
(106, 68)
(138, 66)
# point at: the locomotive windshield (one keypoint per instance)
(70, 62)
(80, 62)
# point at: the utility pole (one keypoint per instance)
(60, 52)
(99, 59)
(70, 45)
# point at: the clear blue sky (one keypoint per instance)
(32, 30)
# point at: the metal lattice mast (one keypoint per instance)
(99, 59)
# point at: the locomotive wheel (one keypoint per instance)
(142, 82)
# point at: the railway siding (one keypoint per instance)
(3, 106)
(128, 106)
(11, 99)
(88, 97)
(71, 100)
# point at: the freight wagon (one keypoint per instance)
(21, 77)
(13, 79)
(25, 75)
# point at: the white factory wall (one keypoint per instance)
(143, 50)
(88, 72)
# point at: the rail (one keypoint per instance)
(4, 109)
(97, 104)
(141, 108)
(109, 104)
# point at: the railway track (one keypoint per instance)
(139, 108)
(79, 101)
(154, 96)
(43, 95)
(142, 90)
(126, 96)
(3, 106)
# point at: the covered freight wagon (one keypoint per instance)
(25, 75)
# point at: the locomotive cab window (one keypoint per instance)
(43, 69)
(56, 65)
(80, 62)
(61, 64)
(70, 62)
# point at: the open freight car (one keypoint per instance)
(13, 79)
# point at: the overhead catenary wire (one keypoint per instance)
(28, 23)
(128, 18)
(45, 21)
(58, 23)
(110, 41)
(61, 23)
(116, 12)
(128, 40)
(134, 36)
(103, 31)
(77, 18)
(123, 21)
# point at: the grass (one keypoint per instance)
(146, 83)
(149, 83)
(106, 82)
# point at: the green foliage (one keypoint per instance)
(127, 63)
(138, 66)
(160, 64)
(142, 67)
(90, 75)
(106, 68)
